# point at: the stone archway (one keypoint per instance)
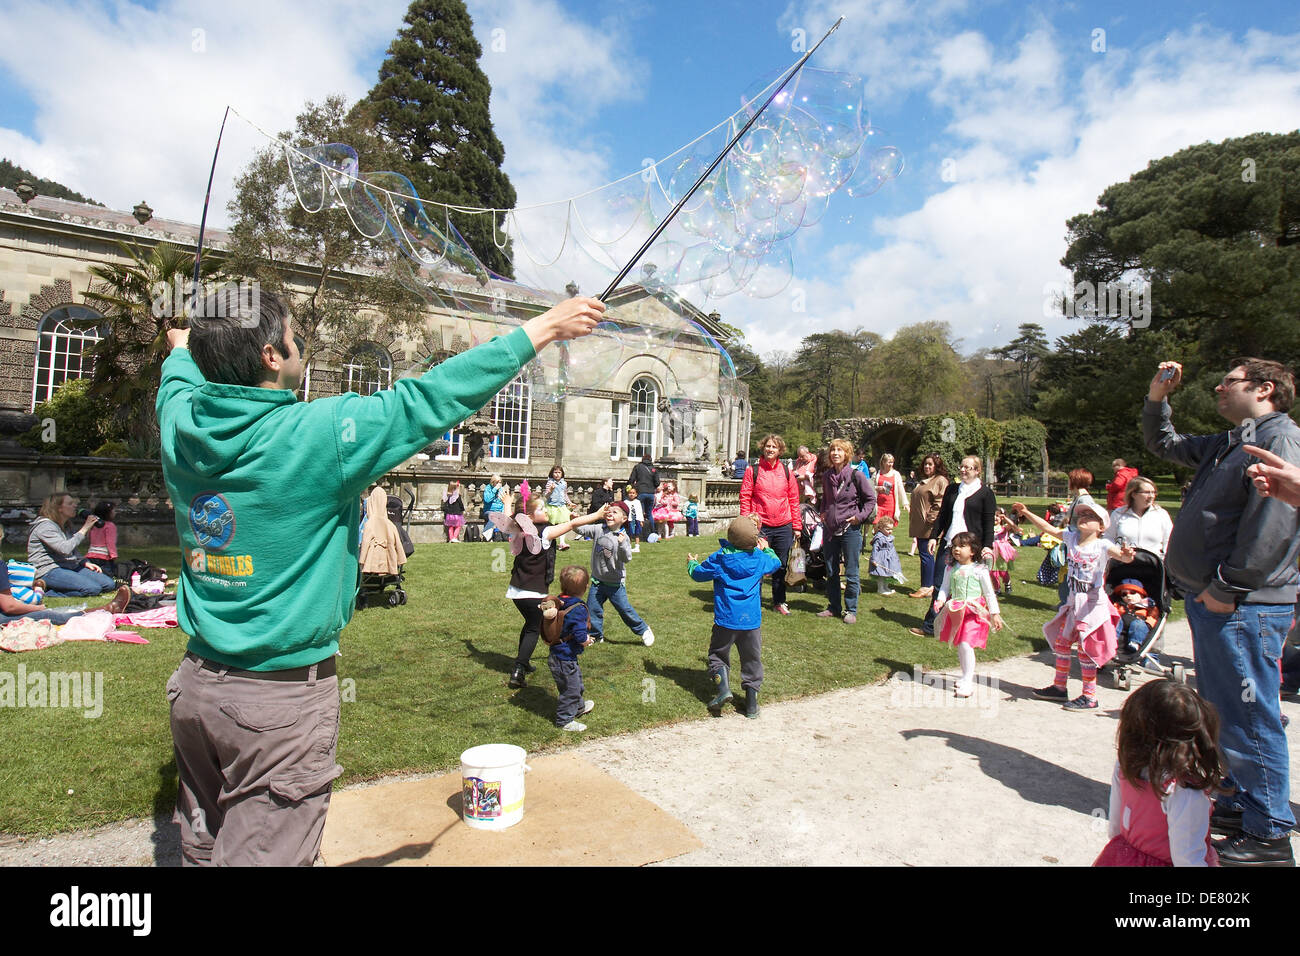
(899, 436)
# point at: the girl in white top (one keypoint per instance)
(1141, 523)
(966, 605)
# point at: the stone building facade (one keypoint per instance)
(668, 399)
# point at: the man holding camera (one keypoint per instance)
(1233, 553)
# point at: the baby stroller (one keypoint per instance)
(385, 546)
(1149, 570)
(815, 563)
(401, 518)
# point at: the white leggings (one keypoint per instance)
(966, 655)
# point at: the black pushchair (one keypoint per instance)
(373, 589)
(1149, 570)
(402, 518)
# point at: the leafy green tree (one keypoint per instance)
(140, 300)
(1215, 230)
(916, 372)
(347, 278)
(1026, 350)
(81, 422)
(431, 104)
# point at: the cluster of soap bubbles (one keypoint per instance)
(812, 141)
(733, 234)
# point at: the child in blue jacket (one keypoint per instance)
(564, 655)
(736, 570)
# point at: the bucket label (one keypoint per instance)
(481, 799)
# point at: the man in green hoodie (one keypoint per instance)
(267, 496)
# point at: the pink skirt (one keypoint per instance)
(454, 521)
(1004, 550)
(1119, 852)
(666, 514)
(963, 622)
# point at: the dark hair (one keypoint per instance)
(1171, 732)
(939, 467)
(554, 469)
(573, 580)
(104, 510)
(228, 348)
(1259, 371)
(1080, 478)
(968, 538)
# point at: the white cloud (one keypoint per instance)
(1032, 150)
(133, 108)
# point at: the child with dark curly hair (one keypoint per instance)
(1162, 790)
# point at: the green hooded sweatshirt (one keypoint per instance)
(267, 492)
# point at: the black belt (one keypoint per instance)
(324, 669)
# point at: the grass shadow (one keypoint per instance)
(695, 681)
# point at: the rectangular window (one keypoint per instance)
(511, 412)
(615, 427)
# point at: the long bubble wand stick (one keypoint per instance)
(198, 253)
(714, 165)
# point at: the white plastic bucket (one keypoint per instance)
(492, 786)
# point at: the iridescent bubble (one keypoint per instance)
(579, 367)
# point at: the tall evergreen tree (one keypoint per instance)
(431, 103)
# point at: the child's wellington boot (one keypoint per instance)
(751, 703)
(724, 690)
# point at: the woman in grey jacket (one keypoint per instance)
(52, 549)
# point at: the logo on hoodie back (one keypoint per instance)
(212, 521)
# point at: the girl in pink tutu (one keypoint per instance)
(1087, 617)
(966, 605)
(1162, 790)
(1006, 538)
(668, 507)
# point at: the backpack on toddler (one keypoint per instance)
(553, 620)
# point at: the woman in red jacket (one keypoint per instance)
(771, 493)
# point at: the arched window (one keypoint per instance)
(367, 369)
(64, 335)
(642, 417)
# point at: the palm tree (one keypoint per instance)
(140, 301)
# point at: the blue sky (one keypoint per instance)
(1018, 102)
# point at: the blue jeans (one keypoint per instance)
(1237, 658)
(647, 515)
(615, 594)
(57, 615)
(1135, 633)
(940, 562)
(849, 547)
(927, 562)
(780, 539)
(80, 583)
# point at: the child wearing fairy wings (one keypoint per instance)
(530, 537)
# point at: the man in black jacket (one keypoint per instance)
(645, 478)
(977, 507)
(1233, 553)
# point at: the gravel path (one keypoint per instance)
(895, 773)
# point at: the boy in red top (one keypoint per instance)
(1115, 487)
(770, 493)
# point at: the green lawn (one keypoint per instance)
(422, 683)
